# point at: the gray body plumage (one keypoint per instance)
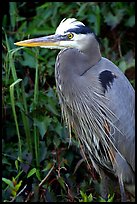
(86, 106)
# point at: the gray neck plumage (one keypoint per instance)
(72, 62)
(91, 49)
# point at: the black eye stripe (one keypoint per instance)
(79, 29)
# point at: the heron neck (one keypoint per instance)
(92, 52)
(71, 62)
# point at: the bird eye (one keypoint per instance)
(70, 35)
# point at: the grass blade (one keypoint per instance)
(36, 134)
(14, 113)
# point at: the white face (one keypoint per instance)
(78, 41)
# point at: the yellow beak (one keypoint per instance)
(51, 41)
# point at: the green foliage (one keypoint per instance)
(38, 163)
(86, 198)
(89, 198)
(14, 112)
(13, 185)
(110, 199)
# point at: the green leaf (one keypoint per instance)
(38, 174)
(102, 200)
(130, 22)
(14, 112)
(13, 10)
(29, 59)
(16, 164)
(114, 20)
(62, 182)
(81, 9)
(8, 182)
(110, 199)
(13, 192)
(42, 123)
(56, 141)
(90, 198)
(84, 196)
(49, 165)
(126, 63)
(31, 172)
(123, 66)
(17, 186)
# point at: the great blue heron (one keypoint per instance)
(97, 100)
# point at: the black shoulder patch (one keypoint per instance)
(106, 78)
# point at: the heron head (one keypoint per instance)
(69, 34)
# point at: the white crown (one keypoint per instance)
(66, 24)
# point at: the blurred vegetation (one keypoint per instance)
(38, 163)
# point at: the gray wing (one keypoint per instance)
(120, 99)
(88, 95)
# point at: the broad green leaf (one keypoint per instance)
(49, 165)
(42, 123)
(29, 60)
(31, 172)
(8, 182)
